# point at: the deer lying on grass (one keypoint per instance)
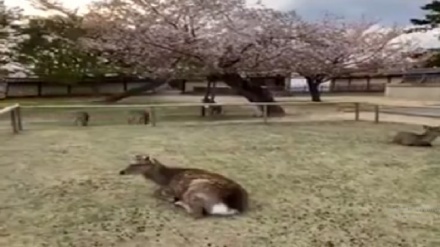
(198, 191)
(419, 140)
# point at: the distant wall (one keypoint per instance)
(363, 84)
(39, 89)
(414, 92)
(193, 85)
(297, 85)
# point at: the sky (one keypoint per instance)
(388, 12)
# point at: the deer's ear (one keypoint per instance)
(142, 158)
(157, 163)
(157, 166)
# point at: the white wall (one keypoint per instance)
(413, 92)
(299, 84)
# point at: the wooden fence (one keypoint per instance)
(159, 113)
(14, 113)
(155, 108)
(31, 88)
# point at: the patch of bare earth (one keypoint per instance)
(314, 184)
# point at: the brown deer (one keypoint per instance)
(198, 191)
(420, 140)
(82, 118)
(212, 109)
(138, 117)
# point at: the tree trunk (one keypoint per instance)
(183, 86)
(206, 97)
(314, 89)
(208, 89)
(213, 90)
(151, 84)
(249, 90)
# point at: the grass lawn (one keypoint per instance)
(311, 184)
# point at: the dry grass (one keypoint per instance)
(314, 184)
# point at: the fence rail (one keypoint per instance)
(14, 112)
(282, 103)
(156, 110)
(241, 112)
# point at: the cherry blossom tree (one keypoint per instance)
(51, 48)
(334, 46)
(221, 39)
(9, 37)
(225, 40)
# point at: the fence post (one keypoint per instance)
(153, 115)
(356, 111)
(265, 113)
(19, 119)
(14, 121)
(376, 113)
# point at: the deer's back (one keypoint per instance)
(184, 178)
(210, 190)
(406, 138)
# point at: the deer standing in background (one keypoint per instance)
(82, 118)
(139, 117)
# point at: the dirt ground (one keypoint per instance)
(311, 184)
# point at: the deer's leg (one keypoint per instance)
(421, 143)
(183, 205)
(425, 144)
(196, 207)
(195, 211)
(164, 194)
(158, 193)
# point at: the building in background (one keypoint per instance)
(420, 84)
(417, 84)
